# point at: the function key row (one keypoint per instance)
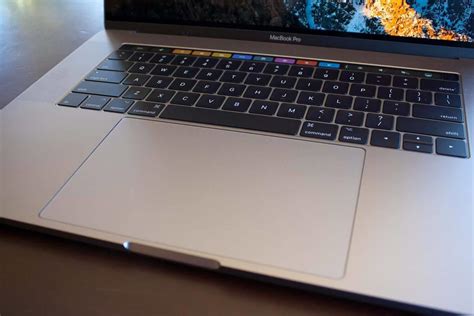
(137, 51)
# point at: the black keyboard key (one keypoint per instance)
(106, 76)
(115, 65)
(256, 92)
(438, 113)
(349, 118)
(233, 76)
(429, 127)
(136, 93)
(236, 104)
(263, 107)
(419, 96)
(120, 55)
(360, 90)
(252, 66)
(338, 101)
(181, 60)
(73, 100)
(418, 147)
(405, 82)
(354, 135)
(352, 76)
(149, 109)
(283, 95)
(210, 101)
(412, 138)
(295, 111)
(379, 121)
(258, 79)
(380, 80)
(159, 82)
(451, 147)
(118, 105)
(311, 98)
(101, 88)
(440, 86)
(396, 108)
(161, 96)
(136, 80)
(444, 99)
(182, 84)
(207, 87)
(141, 68)
(276, 69)
(232, 90)
(301, 71)
(206, 62)
(309, 85)
(237, 120)
(209, 74)
(367, 105)
(186, 72)
(163, 70)
(283, 82)
(95, 102)
(229, 64)
(385, 139)
(320, 114)
(162, 59)
(185, 98)
(390, 93)
(335, 87)
(141, 57)
(319, 130)
(326, 74)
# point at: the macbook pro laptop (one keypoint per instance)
(319, 144)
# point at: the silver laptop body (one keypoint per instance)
(389, 225)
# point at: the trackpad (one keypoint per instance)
(273, 201)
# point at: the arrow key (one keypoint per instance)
(422, 148)
(385, 139)
(412, 138)
(451, 147)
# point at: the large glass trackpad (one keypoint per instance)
(268, 200)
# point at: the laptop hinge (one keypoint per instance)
(170, 255)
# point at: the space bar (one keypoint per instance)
(231, 119)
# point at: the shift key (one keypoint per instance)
(428, 127)
(100, 88)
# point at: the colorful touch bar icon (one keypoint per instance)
(281, 60)
(242, 56)
(324, 64)
(263, 58)
(285, 60)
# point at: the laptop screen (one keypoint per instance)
(448, 23)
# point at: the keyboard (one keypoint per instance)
(401, 109)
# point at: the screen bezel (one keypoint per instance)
(420, 47)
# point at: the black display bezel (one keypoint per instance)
(383, 43)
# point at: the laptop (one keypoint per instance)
(323, 145)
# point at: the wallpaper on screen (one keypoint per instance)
(430, 19)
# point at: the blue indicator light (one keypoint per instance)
(324, 64)
(263, 58)
(241, 56)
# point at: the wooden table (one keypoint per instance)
(43, 275)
